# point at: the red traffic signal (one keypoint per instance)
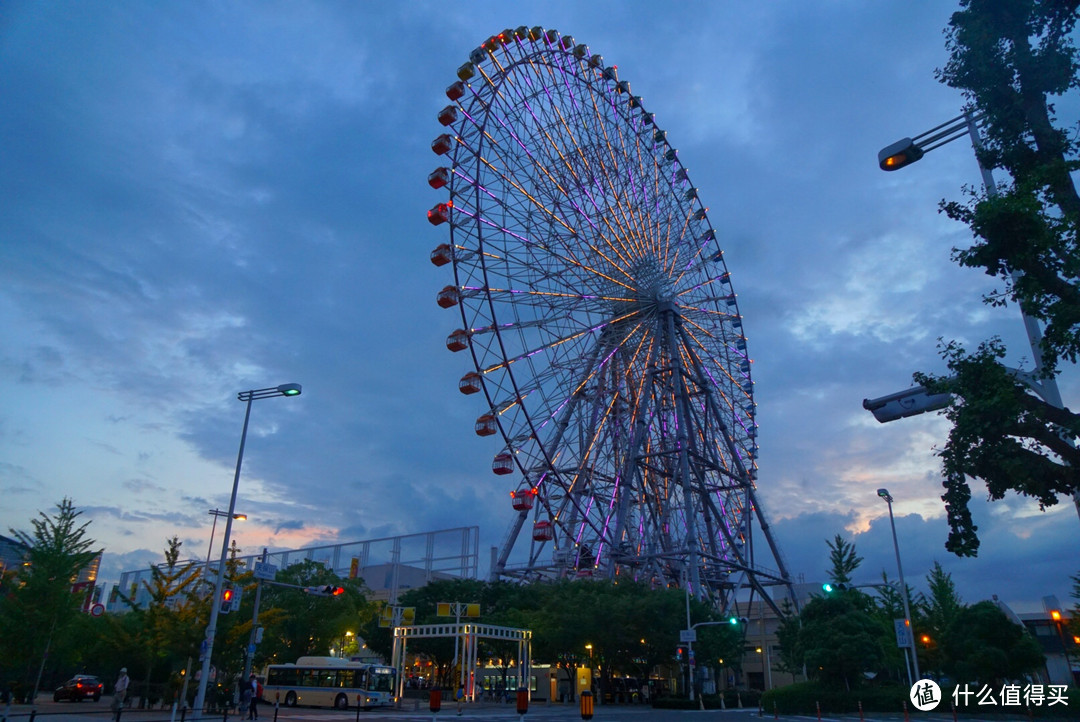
(228, 596)
(328, 590)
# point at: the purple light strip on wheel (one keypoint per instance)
(574, 103)
(738, 418)
(607, 520)
(629, 175)
(559, 408)
(478, 217)
(584, 521)
(500, 120)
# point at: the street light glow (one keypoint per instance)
(901, 153)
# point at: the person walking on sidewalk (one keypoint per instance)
(120, 689)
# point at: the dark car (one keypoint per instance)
(78, 688)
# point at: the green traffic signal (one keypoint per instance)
(827, 587)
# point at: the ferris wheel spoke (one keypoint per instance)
(564, 154)
(543, 165)
(577, 239)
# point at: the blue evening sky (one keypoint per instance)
(200, 198)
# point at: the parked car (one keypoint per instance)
(78, 688)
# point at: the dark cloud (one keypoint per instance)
(199, 205)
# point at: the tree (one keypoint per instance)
(1010, 57)
(836, 639)
(889, 607)
(294, 623)
(843, 559)
(941, 608)
(983, 645)
(41, 605)
(841, 635)
(168, 630)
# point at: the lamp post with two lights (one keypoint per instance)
(211, 629)
(903, 153)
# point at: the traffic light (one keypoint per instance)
(228, 596)
(328, 590)
(827, 587)
(733, 621)
(678, 653)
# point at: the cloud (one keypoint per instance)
(208, 199)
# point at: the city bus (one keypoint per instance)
(330, 682)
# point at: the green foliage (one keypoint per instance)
(631, 628)
(297, 624)
(1003, 434)
(839, 636)
(839, 640)
(941, 609)
(40, 611)
(1010, 57)
(982, 645)
(844, 561)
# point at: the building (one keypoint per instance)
(1050, 628)
(12, 554)
(388, 566)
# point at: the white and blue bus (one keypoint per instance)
(330, 682)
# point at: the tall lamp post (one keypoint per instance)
(906, 151)
(215, 602)
(884, 494)
(217, 513)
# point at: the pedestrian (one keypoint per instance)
(255, 690)
(120, 689)
(245, 699)
(460, 697)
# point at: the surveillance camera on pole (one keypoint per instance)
(902, 404)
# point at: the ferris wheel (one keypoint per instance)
(602, 324)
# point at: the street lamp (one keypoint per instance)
(217, 513)
(215, 602)
(884, 494)
(906, 151)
